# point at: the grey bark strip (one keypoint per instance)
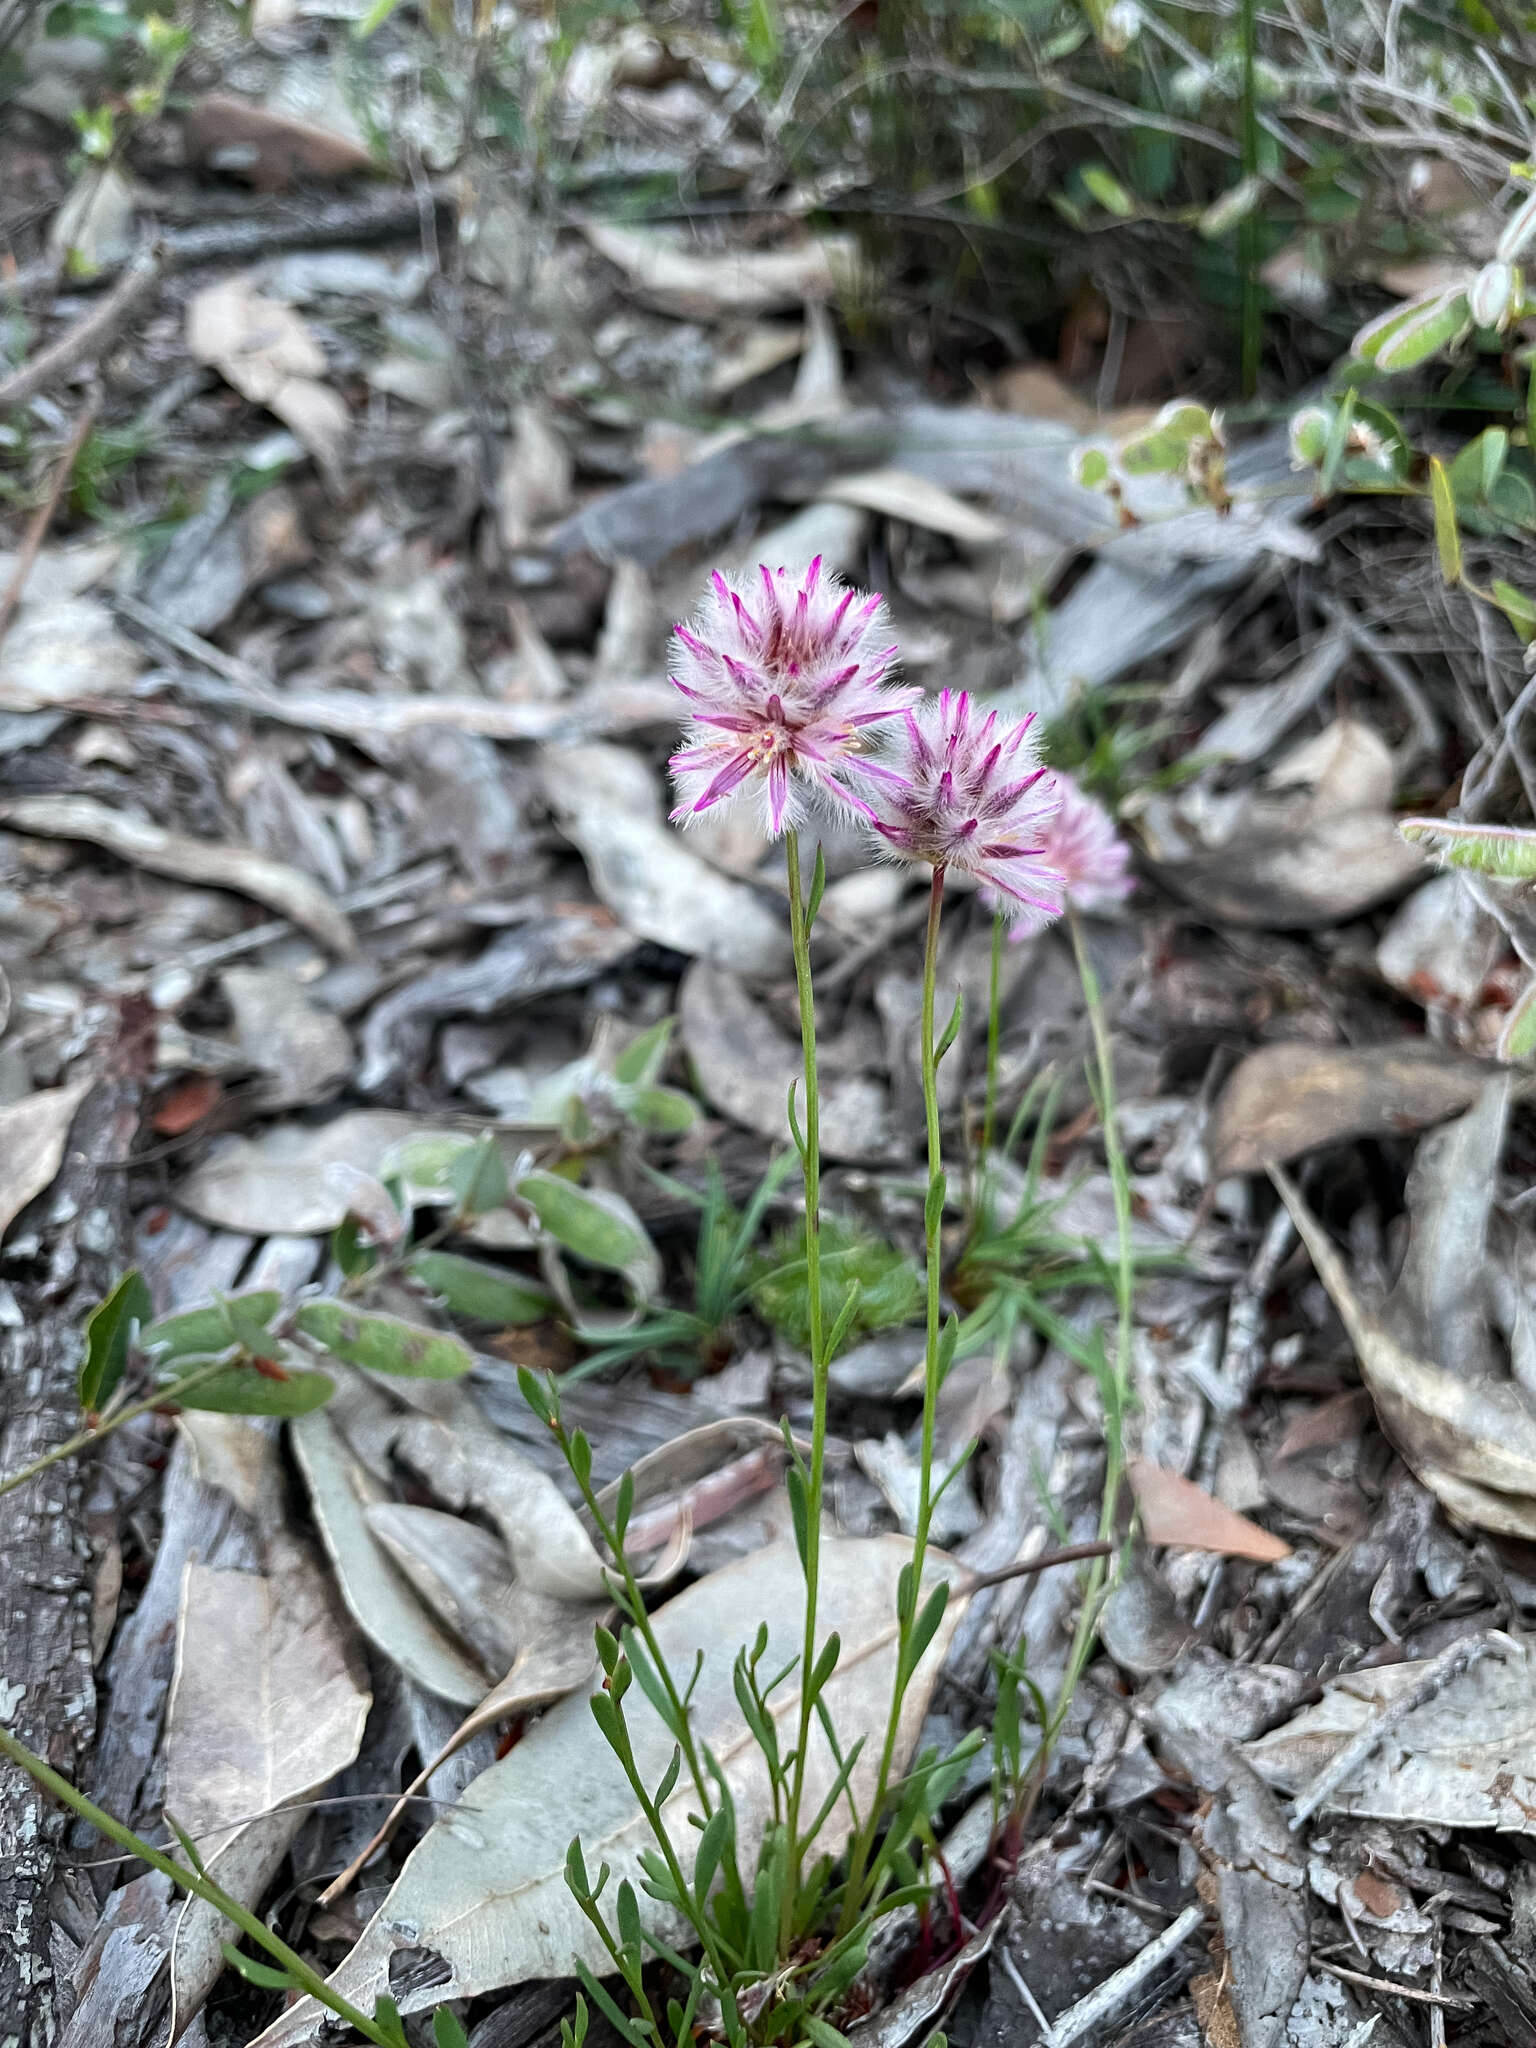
(47, 1688)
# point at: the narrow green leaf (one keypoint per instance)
(448, 2028)
(485, 1294)
(818, 886)
(268, 1975)
(951, 1030)
(386, 2016)
(109, 1330)
(1505, 851)
(1431, 331)
(926, 1625)
(1518, 231)
(478, 1177)
(1519, 609)
(1447, 533)
(1517, 1041)
(644, 1057)
(189, 1848)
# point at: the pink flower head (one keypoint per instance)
(783, 680)
(1081, 843)
(970, 795)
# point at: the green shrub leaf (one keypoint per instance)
(109, 1331)
(381, 1343)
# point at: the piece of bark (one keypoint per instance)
(46, 1678)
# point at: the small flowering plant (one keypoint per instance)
(793, 705)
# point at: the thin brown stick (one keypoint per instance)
(91, 335)
(1074, 1553)
(42, 518)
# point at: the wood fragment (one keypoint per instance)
(42, 518)
(91, 335)
(1437, 1674)
(47, 1686)
(1108, 1997)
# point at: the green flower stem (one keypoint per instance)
(1098, 1577)
(643, 1626)
(994, 1031)
(864, 1842)
(201, 1887)
(810, 1159)
(83, 1439)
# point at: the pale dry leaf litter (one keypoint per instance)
(337, 865)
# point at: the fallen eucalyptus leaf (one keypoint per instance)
(607, 802)
(1314, 845)
(1284, 1100)
(485, 1891)
(267, 1704)
(266, 351)
(745, 1066)
(305, 1051)
(469, 1464)
(707, 284)
(378, 1599)
(1174, 1510)
(33, 1133)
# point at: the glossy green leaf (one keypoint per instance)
(486, 1294)
(1507, 852)
(448, 2029)
(242, 1390)
(380, 1343)
(109, 1331)
(594, 1225)
(1383, 330)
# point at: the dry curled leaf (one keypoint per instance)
(1429, 1357)
(33, 1133)
(704, 285)
(1283, 1100)
(265, 350)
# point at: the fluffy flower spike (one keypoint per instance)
(784, 679)
(969, 795)
(1081, 843)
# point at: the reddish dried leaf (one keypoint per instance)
(1175, 1510)
(185, 1105)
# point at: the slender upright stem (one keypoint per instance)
(933, 1214)
(1250, 229)
(1117, 1393)
(195, 1882)
(810, 1159)
(994, 1031)
(163, 1397)
(933, 1251)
